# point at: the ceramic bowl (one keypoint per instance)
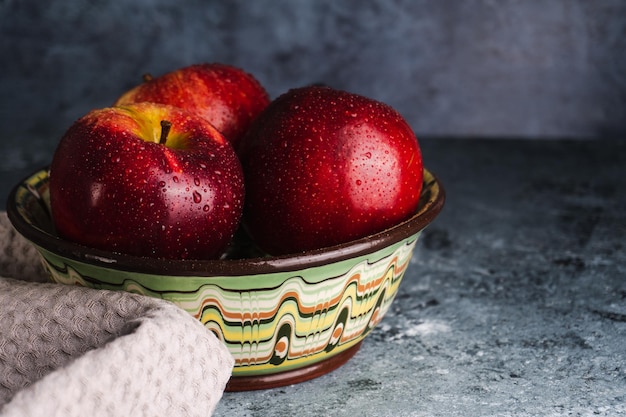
(284, 319)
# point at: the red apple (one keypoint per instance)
(147, 180)
(324, 167)
(225, 95)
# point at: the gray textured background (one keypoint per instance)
(537, 68)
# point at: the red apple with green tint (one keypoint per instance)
(324, 167)
(227, 96)
(147, 180)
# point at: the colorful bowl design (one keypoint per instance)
(284, 319)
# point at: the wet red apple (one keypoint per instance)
(147, 180)
(324, 167)
(227, 96)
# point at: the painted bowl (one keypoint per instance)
(284, 319)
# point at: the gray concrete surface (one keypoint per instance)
(514, 303)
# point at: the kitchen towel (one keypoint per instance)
(73, 351)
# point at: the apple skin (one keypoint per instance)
(325, 167)
(113, 186)
(227, 96)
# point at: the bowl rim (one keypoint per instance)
(429, 207)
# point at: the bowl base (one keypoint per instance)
(252, 383)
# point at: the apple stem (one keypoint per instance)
(166, 125)
(147, 77)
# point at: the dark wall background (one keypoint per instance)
(507, 68)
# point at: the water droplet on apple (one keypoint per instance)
(359, 182)
(196, 181)
(206, 207)
(197, 198)
(368, 155)
(161, 184)
(175, 178)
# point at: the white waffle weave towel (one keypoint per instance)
(72, 351)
